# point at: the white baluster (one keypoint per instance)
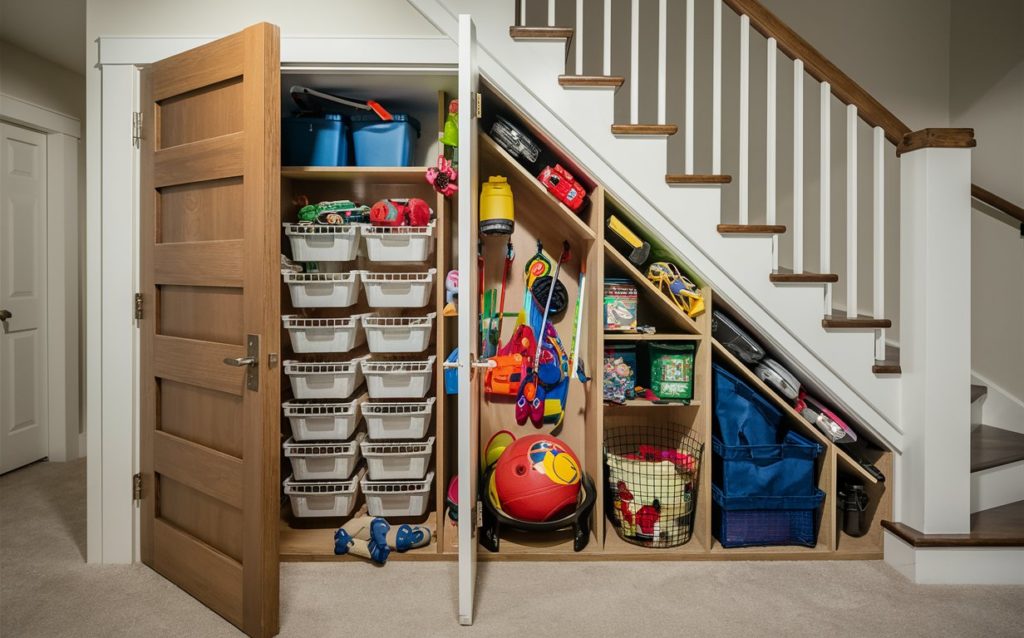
(578, 38)
(744, 117)
(607, 62)
(689, 88)
(879, 237)
(551, 13)
(770, 148)
(716, 92)
(825, 181)
(522, 13)
(634, 63)
(662, 57)
(851, 210)
(798, 166)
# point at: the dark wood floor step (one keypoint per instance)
(890, 364)
(681, 178)
(787, 276)
(751, 229)
(839, 320)
(997, 527)
(644, 129)
(541, 33)
(992, 447)
(591, 81)
(978, 391)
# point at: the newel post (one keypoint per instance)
(935, 329)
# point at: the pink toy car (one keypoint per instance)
(564, 186)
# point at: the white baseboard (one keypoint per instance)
(999, 408)
(955, 565)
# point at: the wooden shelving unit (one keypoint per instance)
(357, 174)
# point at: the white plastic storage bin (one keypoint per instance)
(323, 421)
(397, 461)
(335, 334)
(325, 380)
(316, 242)
(323, 498)
(398, 379)
(398, 289)
(399, 243)
(397, 498)
(323, 461)
(323, 289)
(397, 421)
(398, 334)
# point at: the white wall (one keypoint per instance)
(987, 93)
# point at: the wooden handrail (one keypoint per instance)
(997, 202)
(843, 87)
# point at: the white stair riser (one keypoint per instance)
(997, 486)
(955, 565)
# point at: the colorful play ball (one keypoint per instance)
(537, 479)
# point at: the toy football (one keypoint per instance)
(537, 479)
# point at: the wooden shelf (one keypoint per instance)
(519, 545)
(617, 548)
(776, 552)
(527, 189)
(360, 174)
(640, 336)
(677, 316)
(845, 460)
(644, 403)
(316, 544)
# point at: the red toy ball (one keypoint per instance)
(537, 479)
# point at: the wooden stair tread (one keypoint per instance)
(890, 364)
(644, 129)
(540, 33)
(838, 319)
(978, 391)
(682, 178)
(997, 527)
(992, 447)
(787, 276)
(592, 81)
(751, 229)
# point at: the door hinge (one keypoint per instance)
(479, 514)
(137, 129)
(136, 487)
(478, 105)
(138, 306)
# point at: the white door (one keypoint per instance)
(469, 401)
(23, 423)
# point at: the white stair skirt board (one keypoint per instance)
(955, 565)
(633, 170)
(997, 486)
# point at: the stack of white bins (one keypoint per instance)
(336, 385)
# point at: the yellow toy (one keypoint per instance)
(675, 286)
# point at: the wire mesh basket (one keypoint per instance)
(652, 474)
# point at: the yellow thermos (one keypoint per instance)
(497, 216)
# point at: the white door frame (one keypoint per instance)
(63, 133)
(112, 220)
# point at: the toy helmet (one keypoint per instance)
(496, 208)
(450, 137)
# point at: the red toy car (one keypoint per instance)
(564, 186)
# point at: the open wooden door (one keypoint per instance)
(470, 390)
(210, 250)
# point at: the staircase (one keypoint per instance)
(753, 235)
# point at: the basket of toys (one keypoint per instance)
(652, 474)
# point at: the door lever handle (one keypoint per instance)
(485, 363)
(240, 362)
(5, 314)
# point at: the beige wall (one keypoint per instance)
(41, 82)
(987, 93)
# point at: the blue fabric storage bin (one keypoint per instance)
(786, 469)
(315, 141)
(747, 521)
(741, 415)
(380, 143)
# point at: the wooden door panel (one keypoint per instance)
(210, 245)
(201, 415)
(205, 211)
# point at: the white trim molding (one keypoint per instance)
(955, 565)
(19, 111)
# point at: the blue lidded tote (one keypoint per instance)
(741, 415)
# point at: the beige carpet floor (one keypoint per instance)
(47, 590)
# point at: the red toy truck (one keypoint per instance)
(564, 186)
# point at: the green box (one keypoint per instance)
(672, 370)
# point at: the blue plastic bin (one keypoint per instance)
(741, 415)
(748, 521)
(379, 143)
(315, 141)
(786, 469)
